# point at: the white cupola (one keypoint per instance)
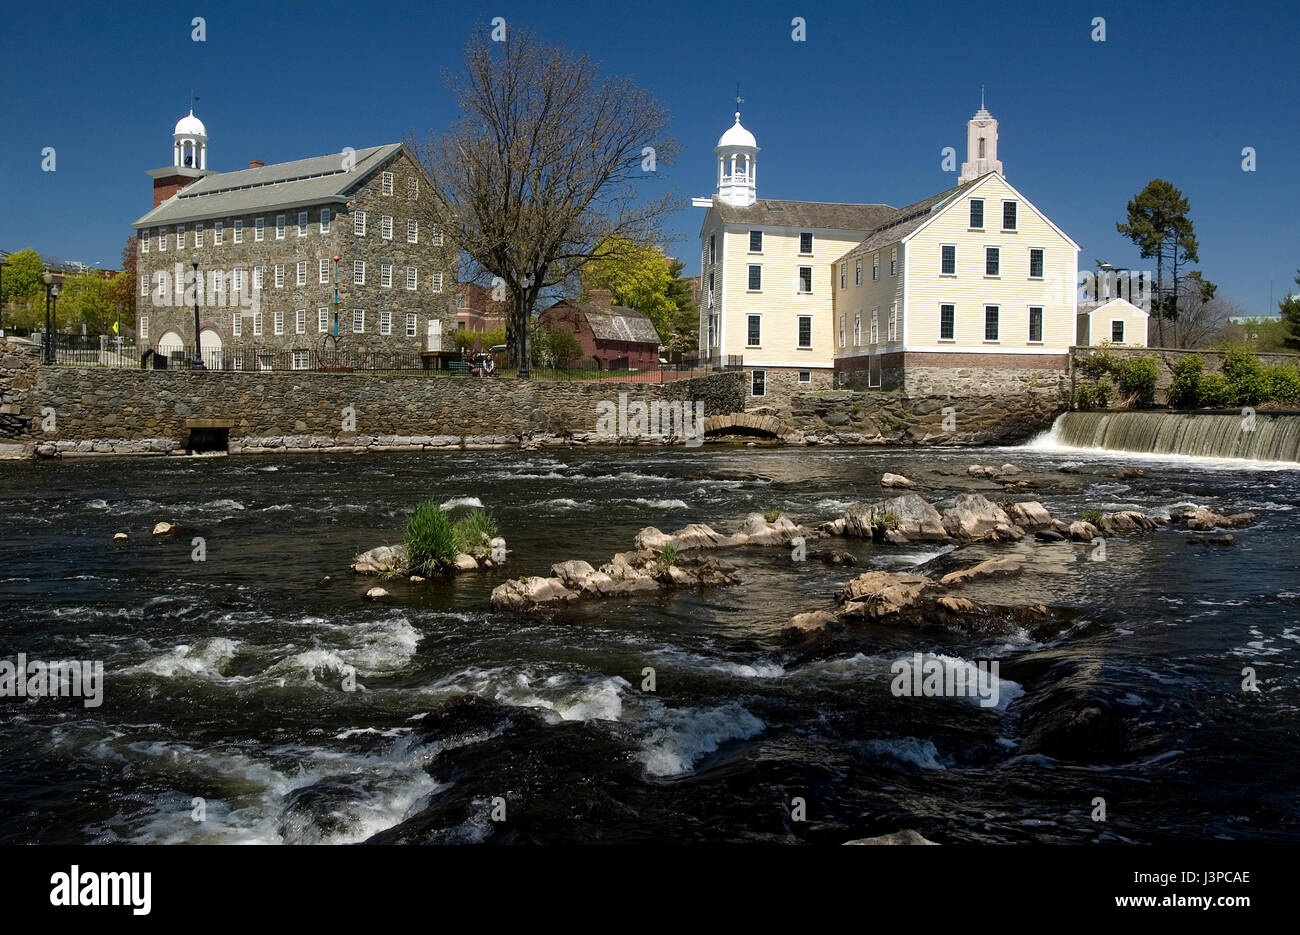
(981, 145)
(190, 143)
(737, 151)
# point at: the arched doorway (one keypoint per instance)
(212, 356)
(171, 345)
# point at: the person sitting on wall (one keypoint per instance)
(489, 366)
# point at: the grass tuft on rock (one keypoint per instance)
(431, 540)
(474, 531)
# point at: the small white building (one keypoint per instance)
(1117, 321)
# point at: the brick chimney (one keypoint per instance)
(601, 298)
(255, 163)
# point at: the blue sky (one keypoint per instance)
(858, 112)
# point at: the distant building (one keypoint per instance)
(1117, 321)
(613, 337)
(264, 239)
(477, 310)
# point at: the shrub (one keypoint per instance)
(1091, 516)
(880, 522)
(1137, 377)
(474, 531)
(1097, 364)
(771, 514)
(1283, 384)
(1184, 393)
(668, 557)
(1245, 375)
(431, 538)
(1214, 391)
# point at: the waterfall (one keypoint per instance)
(1263, 437)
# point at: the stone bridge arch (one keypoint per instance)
(755, 424)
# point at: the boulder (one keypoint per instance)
(1204, 519)
(376, 594)
(913, 516)
(980, 470)
(876, 594)
(1030, 515)
(531, 592)
(906, 836)
(416, 579)
(162, 529)
(811, 624)
(1008, 469)
(986, 569)
(838, 557)
(382, 560)
(1083, 531)
(896, 480)
(464, 562)
(1127, 521)
(972, 517)
(957, 605)
(1049, 535)
(119, 537)
(1226, 538)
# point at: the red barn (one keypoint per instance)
(613, 337)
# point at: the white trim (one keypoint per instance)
(983, 349)
(974, 188)
(788, 365)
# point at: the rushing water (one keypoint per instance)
(1248, 435)
(224, 677)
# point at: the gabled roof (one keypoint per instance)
(1089, 308)
(906, 220)
(299, 183)
(616, 323)
(768, 212)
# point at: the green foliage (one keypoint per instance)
(772, 514)
(1137, 377)
(638, 277)
(855, 408)
(668, 557)
(1093, 394)
(83, 300)
(1290, 309)
(23, 276)
(1097, 364)
(474, 531)
(880, 522)
(1215, 391)
(1185, 391)
(465, 340)
(1246, 380)
(1091, 516)
(462, 443)
(1283, 384)
(431, 538)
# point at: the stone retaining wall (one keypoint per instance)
(1167, 358)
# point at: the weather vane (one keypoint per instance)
(739, 100)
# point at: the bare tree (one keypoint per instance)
(546, 168)
(1202, 314)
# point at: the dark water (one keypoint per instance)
(224, 678)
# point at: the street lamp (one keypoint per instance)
(51, 292)
(198, 341)
(336, 300)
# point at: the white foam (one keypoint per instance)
(922, 753)
(202, 659)
(684, 735)
(461, 501)
(661, 504)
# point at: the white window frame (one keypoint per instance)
(984, 332)
(755, 377)
(943, 247)
(411, 324)
(144, 327)
(842, 334)
(162, 239)
(749, 319)
(1029, 324)
(239, 231)
(893, 261)
(358, 321)
(805, 376)
(1042, 262)
(437, 235)
(323, 271)
(281, 228)
(277, 322)
(180, 236)
(386, 183)
(386, 226)
(875, 267)
(300, 321)
(237, 324)
(279, 275)
(412, 278)
(258, 277)
(385, 321)
(1123, 331)
(301, 278)
(953, 306)
(324, 220)
(749, 277)
(358, 272)
(323, 319)
(144, 241)
(857, 328)
(413, 187)
(798, 328)
(435, 281)
(759, 251)
(874, 326)
(893, 322)
(259, 229)
(412, 230)
(302, 223)
(1016, 210)
(257, 324)
(997, 252)
(798, 283)
(857, 271)
(386, 275)
(198, 235)
(359, 223)
(811, 243)
(970, 215)
(301, 358)
(218, 233)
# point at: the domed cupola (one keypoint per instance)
(190, 143)
(737, 151)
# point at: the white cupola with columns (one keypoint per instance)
(737, 151)
(981, 145)
(190, 143)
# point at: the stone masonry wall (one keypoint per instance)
(1167, 358)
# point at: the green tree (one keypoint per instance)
(1290, 309)
(83, 300)
(637, 277)
(22, 289)
(1159, 226)
(686, 319)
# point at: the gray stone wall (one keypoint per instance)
(781, 383)
(984, 381)
(167, 312)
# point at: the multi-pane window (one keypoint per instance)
(218, 282)
(385, 321)
(875, 325)
(412, 187)
(279, 227)
(300, 321)
(279, 275)
(754, 330)
(841, 329)
(857, 328)
(947, 322)
(755, 241)
(144, 284)
(162, 238)
(239, 231)
(857, 272)
(805, 331)
(257, 277)
(412, 231)
(990, 323)
(410, 325)
(844, 275)
(324, 220)
(435, 281)
(301, 359)
(893, 322)
(805, 376)
(805, 279)
(437, 235)
(302, 272)
(755, 277)
(239, 280)
(358, 320)
(302, 223)
(386, 275)
(259, 229)
(948, 259)
(977, 213)
(1117, 331)
(386, 182)
(893, 261)
(412, 277)
(875, 267)
(144, 327)
(805, 243)
(1008, 215)
(237, 324)
(257, 324)
(277, 322)
(322, 320)
(713, 248)
(386, 226)
(323, 273)
(992, 261)
(359, 272)
(144, 241)
(359, 223)
(1036, 263)
(180, 236)
(198, 235)
(1035, 323)
(218, 233)
(758, 383)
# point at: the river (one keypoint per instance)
(223, 697)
